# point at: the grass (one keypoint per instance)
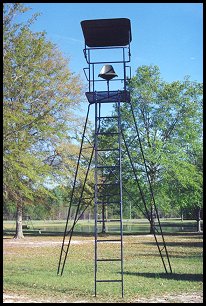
(31, 269)
(134, 226)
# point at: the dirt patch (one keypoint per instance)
(181, 298)
(15, 298)
(43, 243)
(46, 243)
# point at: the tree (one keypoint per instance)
(40, 96)
(169, 120)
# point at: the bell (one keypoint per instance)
(107, 72)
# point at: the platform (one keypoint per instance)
(108, 97)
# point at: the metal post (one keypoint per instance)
(95, 198)
(120, 185)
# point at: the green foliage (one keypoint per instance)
(169, 117)
(40, 96)
(169, 122)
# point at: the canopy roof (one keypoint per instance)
(107, 32)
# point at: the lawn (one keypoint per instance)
(30, 268)
(133, 226)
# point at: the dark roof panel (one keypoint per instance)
(107, 32)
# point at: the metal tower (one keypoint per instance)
(112, 38)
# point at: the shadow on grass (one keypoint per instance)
(173, 276)
(187, 244)
(39, 232)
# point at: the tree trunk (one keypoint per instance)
(103, 218)
(152, 204)
(19, 231)
(198, 220)
(182, 216)
(152, 217)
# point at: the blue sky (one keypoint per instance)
(169, 35)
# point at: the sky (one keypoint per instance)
(169, 35)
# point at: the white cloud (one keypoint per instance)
(67, 38)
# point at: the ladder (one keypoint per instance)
(108, 193)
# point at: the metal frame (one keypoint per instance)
(98, 98)
(91, 64)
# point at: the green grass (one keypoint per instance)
(133, 226)
(32, 270)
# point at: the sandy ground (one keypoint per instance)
(36, 243)
(183, 298)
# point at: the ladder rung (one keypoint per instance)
(109, 259)
(105, 188)
(105, 150)
(108, 203)
(107, 195)
(108, 281)
(107, 133)
(86, 148)
(108, 240)
(110, 117)
(108, 184)
(108, 167)
(87, 198)
(110, 220)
